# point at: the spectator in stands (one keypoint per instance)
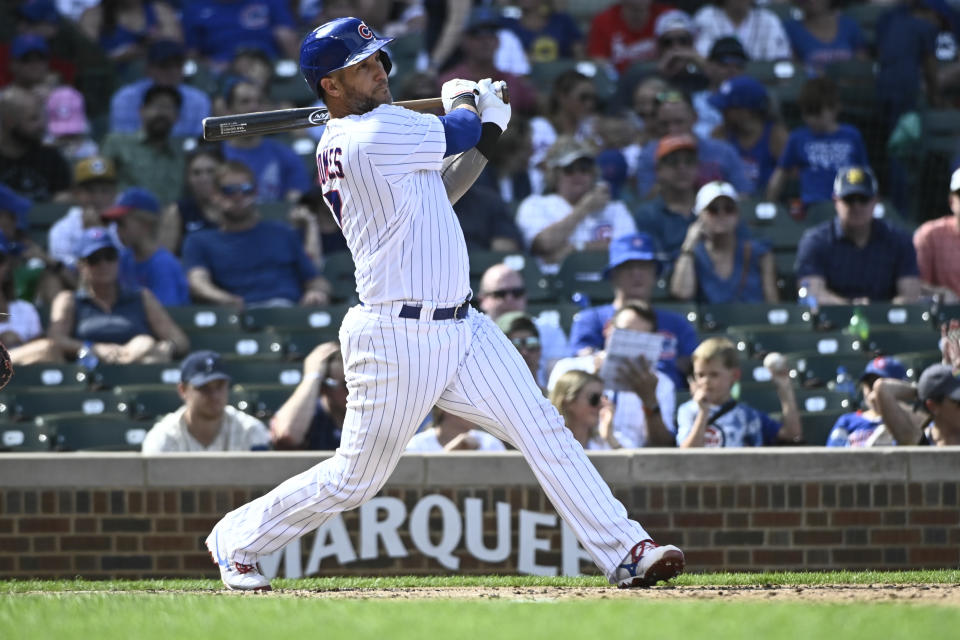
(151, 158)
(824, 35)
(712, 418)
(21, 331)
(576, 214)
(30, 65)
(215, 29)
(451, 432)
(678, 62)
(67, 127)
(502, 290)
(546, 34)
(198, 207)
(718, 160)
(939, 392)
(758, 29)
(643, 399)
(521, 330)
(165, 60)
(817, 150)
(279, 172)
(623, 34)
(667, 217)
(94, 191)
(509, 169)
(205, 422)
(486, 220)
(749, 127)
(727, 59)
(249, 262)
(716, 263)
(318, 228)
(856, 258)
(123, 27)
(107, 322)
(137, 216)
(478, 46)
(938, 249)
(578, 396)
(253, 64)
(633, 270)
(312, 418)
(644, 102)
(571, 112)
(29, 167)
(906, 42)
(888, 418)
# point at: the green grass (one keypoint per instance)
(105, 610)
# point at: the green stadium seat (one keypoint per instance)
(191, 318)
(762, 213)
(78, 432)
(808, 400)
(916, 361)
(30, 403)
(49, 375)
(582, 273)
(299, 343)
(902, 340)
(234, 344)
(786, 316)
(880, 315)
(759, 343)
(782, 232)
(259, 372)
(260, 400)
(689, 310)
(142, 402)
(25, 436)
(322, 318)
(112, 375)
(44, 214)
(338, 269)
(539, 287)
(817, 426)
(813, 370)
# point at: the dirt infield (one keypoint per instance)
(946, 595)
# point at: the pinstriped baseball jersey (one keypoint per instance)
(380, 176)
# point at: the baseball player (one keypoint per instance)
(389, 176)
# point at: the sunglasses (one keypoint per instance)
(108, 255)
(580, 166)
(675, 41)
(529, 343)
(515, 292)
(677, 159)
(233, 189)
(718, 208)
(857, 198)
(594, 399)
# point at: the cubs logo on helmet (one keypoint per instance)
(339, 44)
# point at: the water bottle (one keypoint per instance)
(859, 326)
(845, 383)
(808, 300)
(580, 299)
(86, 358)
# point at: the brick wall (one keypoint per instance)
(64, 523)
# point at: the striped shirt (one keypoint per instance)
(380, 175)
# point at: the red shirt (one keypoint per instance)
(938, 252)
(611, 39)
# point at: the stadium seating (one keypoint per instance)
(785, 317)
(80, 432)
(260, 400)
(21, 404)
(581, 274)
(146, 402)
(51, 375)
(24, 436)
(280, 318)
(203, 317)
(238, 344)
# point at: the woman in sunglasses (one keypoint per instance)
(198, 208)
(103, 321)
(578, 396)
(717, 263)
(571, 111)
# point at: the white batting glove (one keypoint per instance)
(491, 105)
(453, 89)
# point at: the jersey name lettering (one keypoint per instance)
(328, 164)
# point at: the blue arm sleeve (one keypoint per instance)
(461, 127)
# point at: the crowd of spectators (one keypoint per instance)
(645, 132)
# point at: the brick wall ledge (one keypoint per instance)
(746, 466)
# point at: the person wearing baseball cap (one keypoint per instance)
(670, 213)
(67, 124)
(939, 392)
(29, 61)
(633, 267)
(719, 262)
(857, 258)
(206, 422)
(938, 248)
(137, 216)
(677, 59)
(758, 28)
(94, 191)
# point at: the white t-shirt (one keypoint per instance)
(22, 318)
(761, 33)
(629, 420)
(238, 432)
(536, 213)
(427, 441)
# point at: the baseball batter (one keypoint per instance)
(389, 175)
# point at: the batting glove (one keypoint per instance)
(456, 92)
(491, 106)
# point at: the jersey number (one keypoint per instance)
(336, 205)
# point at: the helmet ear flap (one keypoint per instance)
(385, 61)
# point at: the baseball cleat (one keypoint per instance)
(236, 576)
(647, 564)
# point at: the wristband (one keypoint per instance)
(464, 98)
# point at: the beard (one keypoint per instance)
(363, 104)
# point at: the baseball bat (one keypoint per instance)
(264, 122)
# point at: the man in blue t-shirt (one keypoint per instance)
(279, 172)
(215, 29)
(144, 262)
(632, 271)
(818, 149)
(856, 258)
(248, 262)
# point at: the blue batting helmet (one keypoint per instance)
(338, 44)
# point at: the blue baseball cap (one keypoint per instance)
(636, 246)
(201, 367)
(28, 43)
(885, 367)
(613, 169)
(740, 92)
(94, 239)
(130, 199)
(16, 204)
(39, 11)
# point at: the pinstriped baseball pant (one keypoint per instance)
(396, 370)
